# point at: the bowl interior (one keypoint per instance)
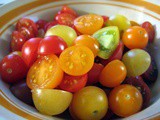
(108, 8)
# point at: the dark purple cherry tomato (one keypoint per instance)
(150, 30)
(22, 92)
(150, 76)
(41, 24)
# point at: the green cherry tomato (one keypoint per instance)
(108, 39)
(120, 21)
(68, 34)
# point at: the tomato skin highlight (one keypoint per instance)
(51, 45)
(13, 69)
(116, 55)
(150, 30)
(125, 100)
(73, 83)
(27, 23)
(45, 73)
(67, 9)
(65, 19)
(17, 41)
(89, 42)
(88, 24)
(29, 51)
(113, 74)
(135, 37)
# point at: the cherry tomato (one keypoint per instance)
(89, 42)
(94, 73)
(41, 24)
(89, 103)
(105, 19)
(66, 9)
(65, 19)
(22, 92)
(120, 21)
(68, 34)
(78, 33)
(49, 25)
(150, 30)
(108, 39)
(88, 24)
(17, 41)
(137, 61)
(45, 73)
(73, 83)
(27, 23)
(76, 60)
(133, 23)
(135, 37)
(125, 100)
(27, 33)
(142, 87)
(116, 55)
(51, 45)
(29, 51)
(12, 68)
(51, 101)
(113, 74)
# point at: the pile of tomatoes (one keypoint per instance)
(89, 64)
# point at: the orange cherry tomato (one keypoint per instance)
(125, 100)
(135, 37)
(88, 24)
(89, 42)
(76, 60)
(133, 23)
(113, 74)
(45, 73)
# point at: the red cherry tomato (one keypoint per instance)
(27, 23)
(41, 24)
(116, 55)
(73, 83)
(26, 32)
(93, 74)
(49, 25)
(29, 50)
(17, 41)
(105, 19)
(66, 9)
(65, 19)
(150, 30)
(51, 45)
(12, 68)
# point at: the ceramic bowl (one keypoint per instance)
(137, 10)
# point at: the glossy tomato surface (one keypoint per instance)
(125, 100)
(30, 51)
(51, 45)
(17, 41)
(13, 69)
(88, 24)
(90, 103)
(73, 83)
(76, 60)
